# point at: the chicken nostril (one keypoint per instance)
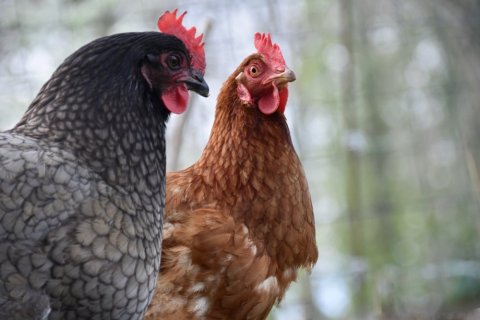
(197, 76)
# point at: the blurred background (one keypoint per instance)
(384, 114)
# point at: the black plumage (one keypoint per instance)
(82, 185)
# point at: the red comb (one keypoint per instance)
(169, 24)
(270, 50)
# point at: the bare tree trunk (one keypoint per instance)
(310, 311)
(378, 154)
(458, 28)
(352, 175)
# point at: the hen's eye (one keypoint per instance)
(174, 62)
(253, 70)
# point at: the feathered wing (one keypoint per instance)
(38, 191)
(245, 272)
(41, 187)
(209, 263)
(56, 220)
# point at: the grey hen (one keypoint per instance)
(82, 179)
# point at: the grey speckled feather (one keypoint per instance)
(82, 187)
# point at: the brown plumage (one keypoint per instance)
(239, 222)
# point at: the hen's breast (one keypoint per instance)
(213, 268)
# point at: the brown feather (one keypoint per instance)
(238, 223)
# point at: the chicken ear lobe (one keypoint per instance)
(270, 101)
(244, 94)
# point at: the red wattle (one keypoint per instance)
(283, 93)
(176, 98)
(269, 102)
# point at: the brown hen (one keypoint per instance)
(239, 222)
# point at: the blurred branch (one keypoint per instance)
(178, 130)
(311, 311)
(473, 170)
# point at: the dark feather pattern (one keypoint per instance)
(82, 188)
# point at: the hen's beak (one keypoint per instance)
(195, 82)
(281, 79)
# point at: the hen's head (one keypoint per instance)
(264, 77)
(173, 72)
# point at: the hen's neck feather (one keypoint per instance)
(249, 168)
(97, 106)
(238, 127)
